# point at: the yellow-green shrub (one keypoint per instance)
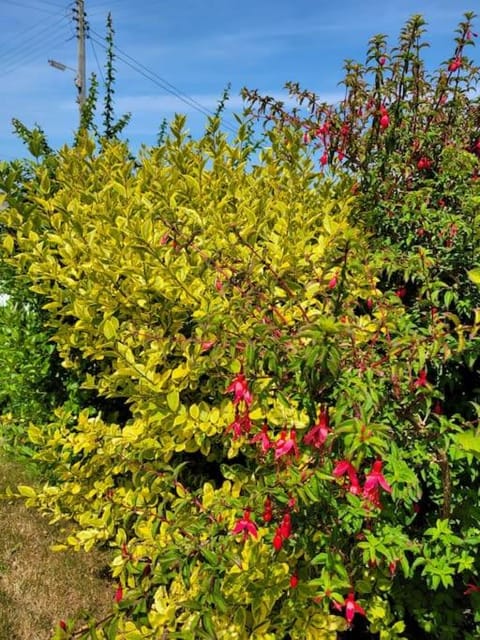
(169, 279)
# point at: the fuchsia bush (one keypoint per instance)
(290, 337)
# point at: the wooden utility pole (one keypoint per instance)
(81, 79)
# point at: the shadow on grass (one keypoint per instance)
(39, 587)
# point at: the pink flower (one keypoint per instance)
(239, 387)
(277, 541)
(471, 588)
(241, 425)
(333, 282)
(421, 381)
(438, 409)
(373, 481)
(345, 467)
(455, 64)
(285, 528)
(262, 437)
(318, 434)
(245, 526)
(382, 60)
(351, 607)
(424, 163)
(267, 510)
(384, 118)
(286, 444)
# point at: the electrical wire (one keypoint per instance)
(96, 59)
(158, 80)
(33, 52)
(55, 4)
(10, 55)
(15, 3)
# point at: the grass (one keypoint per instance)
(39, 587)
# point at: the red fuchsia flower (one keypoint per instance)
(63, 625)
(118, 595)
(267, 510)
(392, 567)
(351, 607)
(285, 528)
(286, 445)
(401, 292)
(384, 118)
(318, 434)
(277, 541)
(262, 437)
(324, 159)
(344, 467)
(333, 282)
(283, 532)
(323, 129)
(455, 64)
(293, 581)
(384, 121)
(471, 588)
(245, 526)
(373, 481)
(421, 381)
(241, 425)
(306, 138)
(239, 387)
(424, 163)
(437, 408)
(218, 285)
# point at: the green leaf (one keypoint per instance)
(469, 441)
(173, 400)
(474, 275)
(26, 491)
(110, 327)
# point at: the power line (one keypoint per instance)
(96, 59)
(15, 3)
(21, 35)
(55, 4)
(11, 54)
(159, 81)
(33, 52)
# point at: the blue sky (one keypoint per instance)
(198, 46)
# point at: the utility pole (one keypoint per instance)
(81, 79)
